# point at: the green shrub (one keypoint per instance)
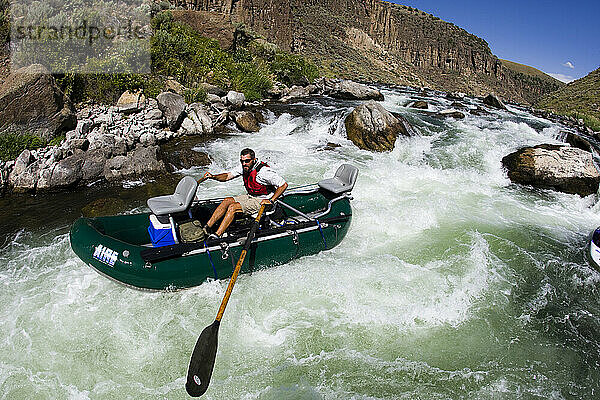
(589, 120)
(293, 70)
(4, 22)
(252, 79)
(12, 144)
(197, 95)
(179, 51)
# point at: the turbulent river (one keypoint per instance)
(451, 283)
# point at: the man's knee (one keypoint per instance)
(228, 201)
(234, 207)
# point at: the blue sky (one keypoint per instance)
(560, 38)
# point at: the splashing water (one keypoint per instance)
(451, 283)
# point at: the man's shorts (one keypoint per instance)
(250, 204)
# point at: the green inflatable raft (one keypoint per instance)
(146, 251)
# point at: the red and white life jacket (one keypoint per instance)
(252, 186)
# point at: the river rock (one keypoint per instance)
(22, 162)
(26, 180)
(346, 89)
(579, 142)
(67, 172)
(452, 113)
(171, 85)
(493, 101)
(246, 121)
(31, 101)
(131, 102)
(93, 165)
(212, 89)
(213, 98)
(478, 111)
(139, 162)
(73, 144)
(235, 99)
(83, 128)
(372, 127)
(186, 158)
(198, 121)
(420, 104)
(173, 107)
(153, 114)
(148, 139)
(296, 92)
(563, 168)
(455, 96)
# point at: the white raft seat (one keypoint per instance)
(163, 207)
(177, 202)
(343, 181)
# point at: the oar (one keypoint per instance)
(203, 356)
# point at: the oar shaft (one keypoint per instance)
(300, 213)
(234, 276)
(238, 266)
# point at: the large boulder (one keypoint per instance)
(26, 180)
(346, 89)
(372, 127)
(131, 102)
(296, 92)
(493, 101)
(67, 172)
(235, 100)
(93, 165)
(563, 168)
(247, 121)
(30, 101)
(139, 162)
(173, 107)
(197, 122)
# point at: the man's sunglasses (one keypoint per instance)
(246, 161)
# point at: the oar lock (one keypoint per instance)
(224, 250)
(295, 237)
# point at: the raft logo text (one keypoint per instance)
(105, 255)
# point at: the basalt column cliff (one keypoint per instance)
(372, 40)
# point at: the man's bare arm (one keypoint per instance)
(223, 177)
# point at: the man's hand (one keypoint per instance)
(205, 177)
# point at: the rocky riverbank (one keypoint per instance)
(128, 140)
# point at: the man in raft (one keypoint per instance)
(262, 183)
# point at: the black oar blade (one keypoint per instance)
(202, 361)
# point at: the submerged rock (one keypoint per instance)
(372, 127)
(563, 168)
(493, 101)
(452, 113)
(420, 104)
(103, 207)
(180, 154)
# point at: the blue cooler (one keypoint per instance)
(162, 233)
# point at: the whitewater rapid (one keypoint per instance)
(451, 283)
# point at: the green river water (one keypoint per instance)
(452, 283)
